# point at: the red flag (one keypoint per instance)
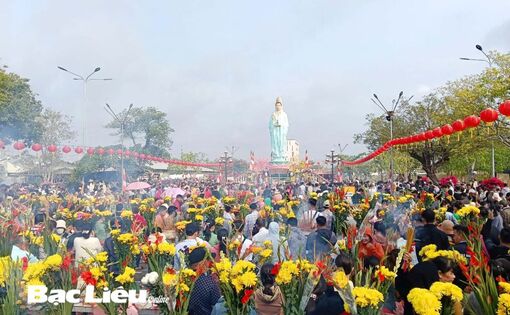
(252, 160)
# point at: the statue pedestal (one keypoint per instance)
(279, 161)
(279, 171)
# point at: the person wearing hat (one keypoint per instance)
(447, 227)
(206, 291)
(326, 212)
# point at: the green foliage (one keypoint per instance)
(194, 157)
(455, 100)
(18, 109)
(147, 128)
(97, 163)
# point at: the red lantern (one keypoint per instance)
(471, 121)
(100, 151)
(422, 137)
(437, 132)
(447, 129)
(489, 116)
(143, 156)
(504, 108)
(78, 150)
(111, 151)
(52, 148)
(136, 155)
(66, 149)
(18, 145)
(90, 151)
(2, 145)
(127, 153)
(119, 151)
(458, 125)
(36, 147)
(429, 135)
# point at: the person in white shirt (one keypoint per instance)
(307, 220)
(192, 240)
(86, 246)
(228, 217)
(249, 221)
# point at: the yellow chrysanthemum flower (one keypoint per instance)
(166, 248)
(468, 210)
(102, 257)
(340, 279)
(53, 261)
(127, 276)
(440, 289)
(504, 304)
(424, 302)
(367, 297)
(169, 279)
(505, 286)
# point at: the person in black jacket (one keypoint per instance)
(329, 303)
(423, 275)
(430, 234)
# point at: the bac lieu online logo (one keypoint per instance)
(39, 294)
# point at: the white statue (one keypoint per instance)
(278, 127)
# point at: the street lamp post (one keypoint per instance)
(390, 113)
(332, 159)
(225, 159)
(122, 122)
(490, 62)
(341, 149)
(85, 80)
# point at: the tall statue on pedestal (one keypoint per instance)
(278, 127)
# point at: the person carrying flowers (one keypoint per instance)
(268, 298)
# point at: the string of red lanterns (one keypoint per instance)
(488, 116)
(36, 147)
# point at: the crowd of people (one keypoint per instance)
(410, 235)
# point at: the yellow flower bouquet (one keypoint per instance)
(424, 302)
(450, 296)
(237, 284)
(368, 301)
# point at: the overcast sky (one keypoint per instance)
(216, 67)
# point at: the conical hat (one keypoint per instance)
(279, 100)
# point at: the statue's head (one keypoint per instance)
(279, 104)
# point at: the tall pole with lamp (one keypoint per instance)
(122, 122)
(390, 113)
(85, 80)
(333, 159)
(225, 159)
(490, 62)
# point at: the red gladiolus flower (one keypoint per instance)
(74, 278)
(88, 278)
(380, 276)
(276, 269)
(500, 279)
(25, 263)
(66, 262)
(246, 297)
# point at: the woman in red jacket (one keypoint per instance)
(369, 247)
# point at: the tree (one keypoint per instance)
(55, 129)
(18, 109)
(90, 164)
(431, 112)
(192, 157)
(147, 128)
